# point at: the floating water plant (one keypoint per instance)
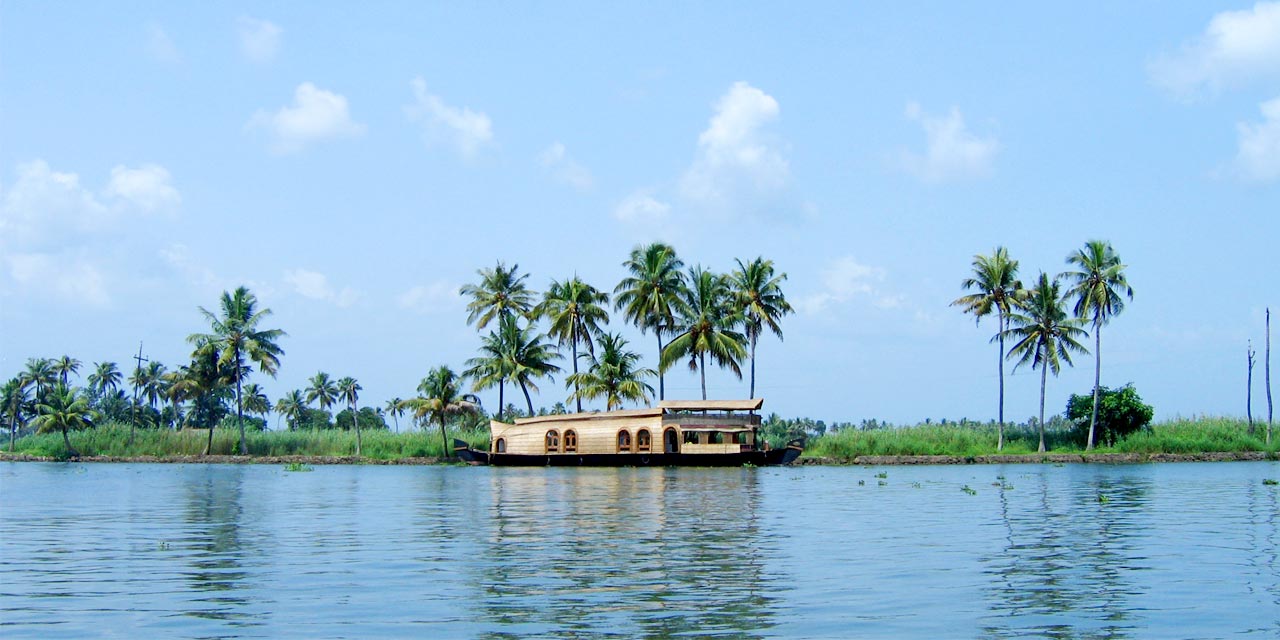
(882, 474)
(297, 466)
(1270, 481)
(969, 490)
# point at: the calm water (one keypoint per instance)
(204, 551)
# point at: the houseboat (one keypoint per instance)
(700, 433)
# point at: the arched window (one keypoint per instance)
(553, 441)
(570, 441)
(643, 441)
(624, 441)
(671, 441)
(500, 446)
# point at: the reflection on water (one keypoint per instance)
(205, 551)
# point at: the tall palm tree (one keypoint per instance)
(708, 326)
(1097, 285)
(64, 409)
(1045, 335)
(204, 382)
(440, 396)
(494, 366)
(236, 336)
(40, 375)
(614, 375)
(256, 401)
(573, 309)
(501, 293)
(530, 358)
(758, 295)
(174, 393)
(396, 409)
(13, 396)
(322, 390)
(106, 378)
(153, 386)
(291, 407)
(349, 391)
(652, 296)
(64, 366)
(995, 287)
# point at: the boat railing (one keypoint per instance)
(712, 419)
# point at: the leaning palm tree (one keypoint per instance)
(322, 391)
(996, 287)
(440, 396)
(501, 293)
(758, 296)
(707, 326)
(573, 309)
(291, 407)
(105, 379)
(652, 296)
(64, 366)
(64, 409)
(614, 375)
(1045, 335)
(349, 391)
(236, 336)
(13, 397)
(395, 407)
(1096, 286)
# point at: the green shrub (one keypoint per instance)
(1120, 412)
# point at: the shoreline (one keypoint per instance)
(1034, 458)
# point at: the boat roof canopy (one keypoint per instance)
(664, 406)
(712, 405)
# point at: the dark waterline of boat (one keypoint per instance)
(1175, 550)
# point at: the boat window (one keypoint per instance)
(570, 440)
(624, 440)
(735, 437)
(500, 446)
(553, 441)
(671, 441)
(691, 437)
(717, 437)
(643, 441)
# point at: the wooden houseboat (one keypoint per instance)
(701, 433)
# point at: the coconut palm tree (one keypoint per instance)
(64, 409)
(501, 293)
(995, 287)
(106, 378)
(256, 401)
(13, 397)
(440, 396)
(173, 393)
(530, 359)
(322, 390)
(614, 375)
(652, 296)
(1097, 285)
(349, 391)
(204, 382)
(495, 366)
(291, 407)
(707, 326)
(758, 296)
(40, 375)
(153, 385)
(1045, 335)
(236, 336)
(395, 408)
(65, 366)
(573, 309)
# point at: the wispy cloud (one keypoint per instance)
(466, 130)
(557, 162)
(436, 297)
(315, 115)
(641, 207)
(259, 39)
(952, 152)
(845, 279)
(1258, 153)
(161, 46)
(315, 286)
(1236, 47)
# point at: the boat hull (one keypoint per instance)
(781, 456)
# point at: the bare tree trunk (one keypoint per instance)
(1097, 380)
(1000, 366)
(1248, 394)
(1267, 371)
(1044, 377)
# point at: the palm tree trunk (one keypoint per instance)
(1097, 380)
(1000, 366)
(355, 418)
(702, 370)
(754, 338)
(1267, 375)
(662, 387)
(527, 399)
(208, 448)
(577, 396)
(1248, 396)
(502, 389)
(444, 440)
(67, 440)
(244, 451)
(1044, 377)
(13, 429)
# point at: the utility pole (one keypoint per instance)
(1248, 395)
(133, 409)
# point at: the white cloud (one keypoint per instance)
(259, 39)
(641, 207)
(161, 46)
(315, 285)
(736, 164)
(1236, 47)
(315, 115)
(1258, 155)
(468, 131)
(72, 279)
(431, 298)
(845, 279)
(952, 152)
(147, 188)
(563, 168)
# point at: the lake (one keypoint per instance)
(241, 551)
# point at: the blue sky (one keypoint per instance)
(355, 165)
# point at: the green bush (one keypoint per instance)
(1120, 412)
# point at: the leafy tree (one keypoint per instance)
(65, 366)
(315, 419)
(707, 326)
(758, 297)
(1098, 283)
(292, 407)
(653, 294)
(614, 376)
(349, 390)
(1045, 335)
(370, 418)
(106, 378)
(440, 396)
(236, 336)
(501, 293)
(64, 409)
(1119, 413)
(573, 308)
(13, 396)
(996, 288)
